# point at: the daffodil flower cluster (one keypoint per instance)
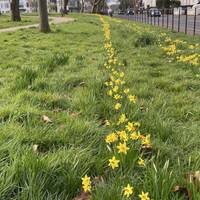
(124, 131)
(177, 49)
(180, 50)
(86, 183)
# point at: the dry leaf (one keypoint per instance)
(68, 97)
(58, 110)
(193, 177)
(102, 122)
(147, 150)
(143, 108)
(35, 148)
(108, 147)
(83, 196)
(98, 180)
(82, 83)
(46, 119)
(183, 191)
(74, 114)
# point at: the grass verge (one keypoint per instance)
(61, 75)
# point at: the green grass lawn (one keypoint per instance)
(61, 75)
(5, 21)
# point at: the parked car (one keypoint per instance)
(154, 12)
(121, 12)
(130, 12)
(23, 10)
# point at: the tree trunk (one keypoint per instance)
(44, 21)
(95, 5)
(82, 6)
(65, 6)
(15, 14)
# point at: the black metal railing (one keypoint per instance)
(176, 21)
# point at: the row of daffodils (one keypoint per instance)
(180, 50)
(124, 133)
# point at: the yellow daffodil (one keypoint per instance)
(110, 83)
(86, 184)
(130, 126)
(110, 138)
(126, 91)
(191, 46)
(113, 163)
(134, 136)
(144, 196)
(121, 74)
(112, 78)
(118, 106)
(123, 135)
(122, 148)
(132, 98)
(115, 72)
(107, 123)
(109, 93)
(141, 162)
(118, 81)
(137, 124)
(115, 89)
(122, 119)
(117, 96)
(107, 83)
(146, 140)
(127, 191)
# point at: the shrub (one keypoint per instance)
(53, 61)
(146, 39)
(25, 78)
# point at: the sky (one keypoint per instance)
(112, 2)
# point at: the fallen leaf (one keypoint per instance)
(82, 83)
(68, 97)
(35, 148)
(193, 177)
(75, 114)
(98, 180)
(46, 119)
(147, 150)
(83, 196)
(183, 191)
(58, 110)
(108, 147)
(143, 108)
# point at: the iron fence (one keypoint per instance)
(179, 22)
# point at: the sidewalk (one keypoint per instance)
(54, 20)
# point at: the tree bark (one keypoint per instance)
(65, 6)
(82, 6)
(44, 21)
(95, 5)
(15, 14)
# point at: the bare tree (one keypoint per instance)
(82, 5)
(15, 13)
(33, 4)
(44, 21)
(65, 6)
(125, 4)
(97, 5)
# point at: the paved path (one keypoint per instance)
(162, 21)
(54, 20)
